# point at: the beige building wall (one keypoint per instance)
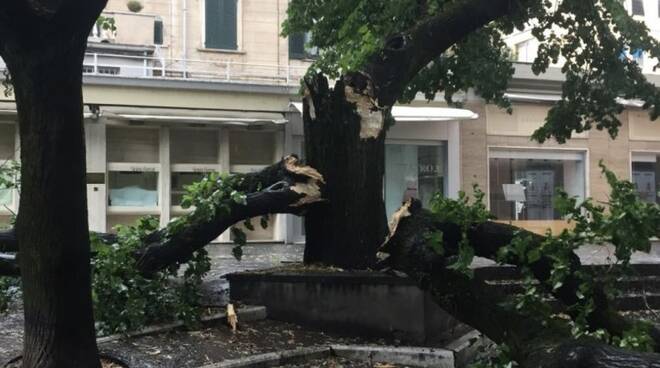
(261, 50)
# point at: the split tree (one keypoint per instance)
(380, 52)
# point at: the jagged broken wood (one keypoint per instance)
(285, 187)
(533, 342)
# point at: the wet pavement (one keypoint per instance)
(215, 289)
(214, 343)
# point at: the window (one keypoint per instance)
(221, 24)
(133, 156)
(523, 52)
(158, 32)
(133, 189)
(417, 171)
(523, 183)
(637, 7)
(251, 151)
(298, 46)
(193, 154)
(646, 176)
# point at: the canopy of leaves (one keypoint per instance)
(588, 39)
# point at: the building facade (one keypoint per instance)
(186, 87)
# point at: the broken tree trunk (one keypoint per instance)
(534, 343)
(345, 141)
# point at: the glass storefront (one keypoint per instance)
(133, 189)
(523, 183)
(412, 170)
(646, 176)
(179, 182)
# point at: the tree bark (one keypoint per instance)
(289, 188)
(345, 130)
(346, 230)
(533, 342)
(43, 44)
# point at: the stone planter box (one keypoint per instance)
(355, 302)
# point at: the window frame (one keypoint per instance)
(584, 151)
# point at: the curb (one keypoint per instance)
(408, 356)
(245, 314)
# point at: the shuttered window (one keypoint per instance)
(158, 32)
(638, 7)
(221, 24)
(297, 46)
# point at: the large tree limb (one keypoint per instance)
(405, 54)
(488, 238)
(288, 187)
(534, 343)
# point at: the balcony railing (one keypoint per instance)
(186, 69)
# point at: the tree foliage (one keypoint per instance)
(588, 39)
(627, 224)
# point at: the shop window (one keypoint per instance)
(133, 145)
(194, 146)
(251, 151)
(180, 180)
(523, 183)
(646, 176)
(133, 189)
(417, 171)
(133, 169)
(221, 24)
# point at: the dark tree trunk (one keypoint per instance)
(533, 342)
(43, 44)
(348, 227)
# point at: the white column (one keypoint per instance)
(17, 157)
(453, 159)
(224, 167)
(165, 176)
(97, 176)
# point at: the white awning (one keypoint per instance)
(537, 97)
(192, 116)
(419, 114)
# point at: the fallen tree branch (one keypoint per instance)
(489, 237)
(534, 342)
(284, 187)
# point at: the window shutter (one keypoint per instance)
(638, 7)
(221, 24)
(297, 46)
(158, 32)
